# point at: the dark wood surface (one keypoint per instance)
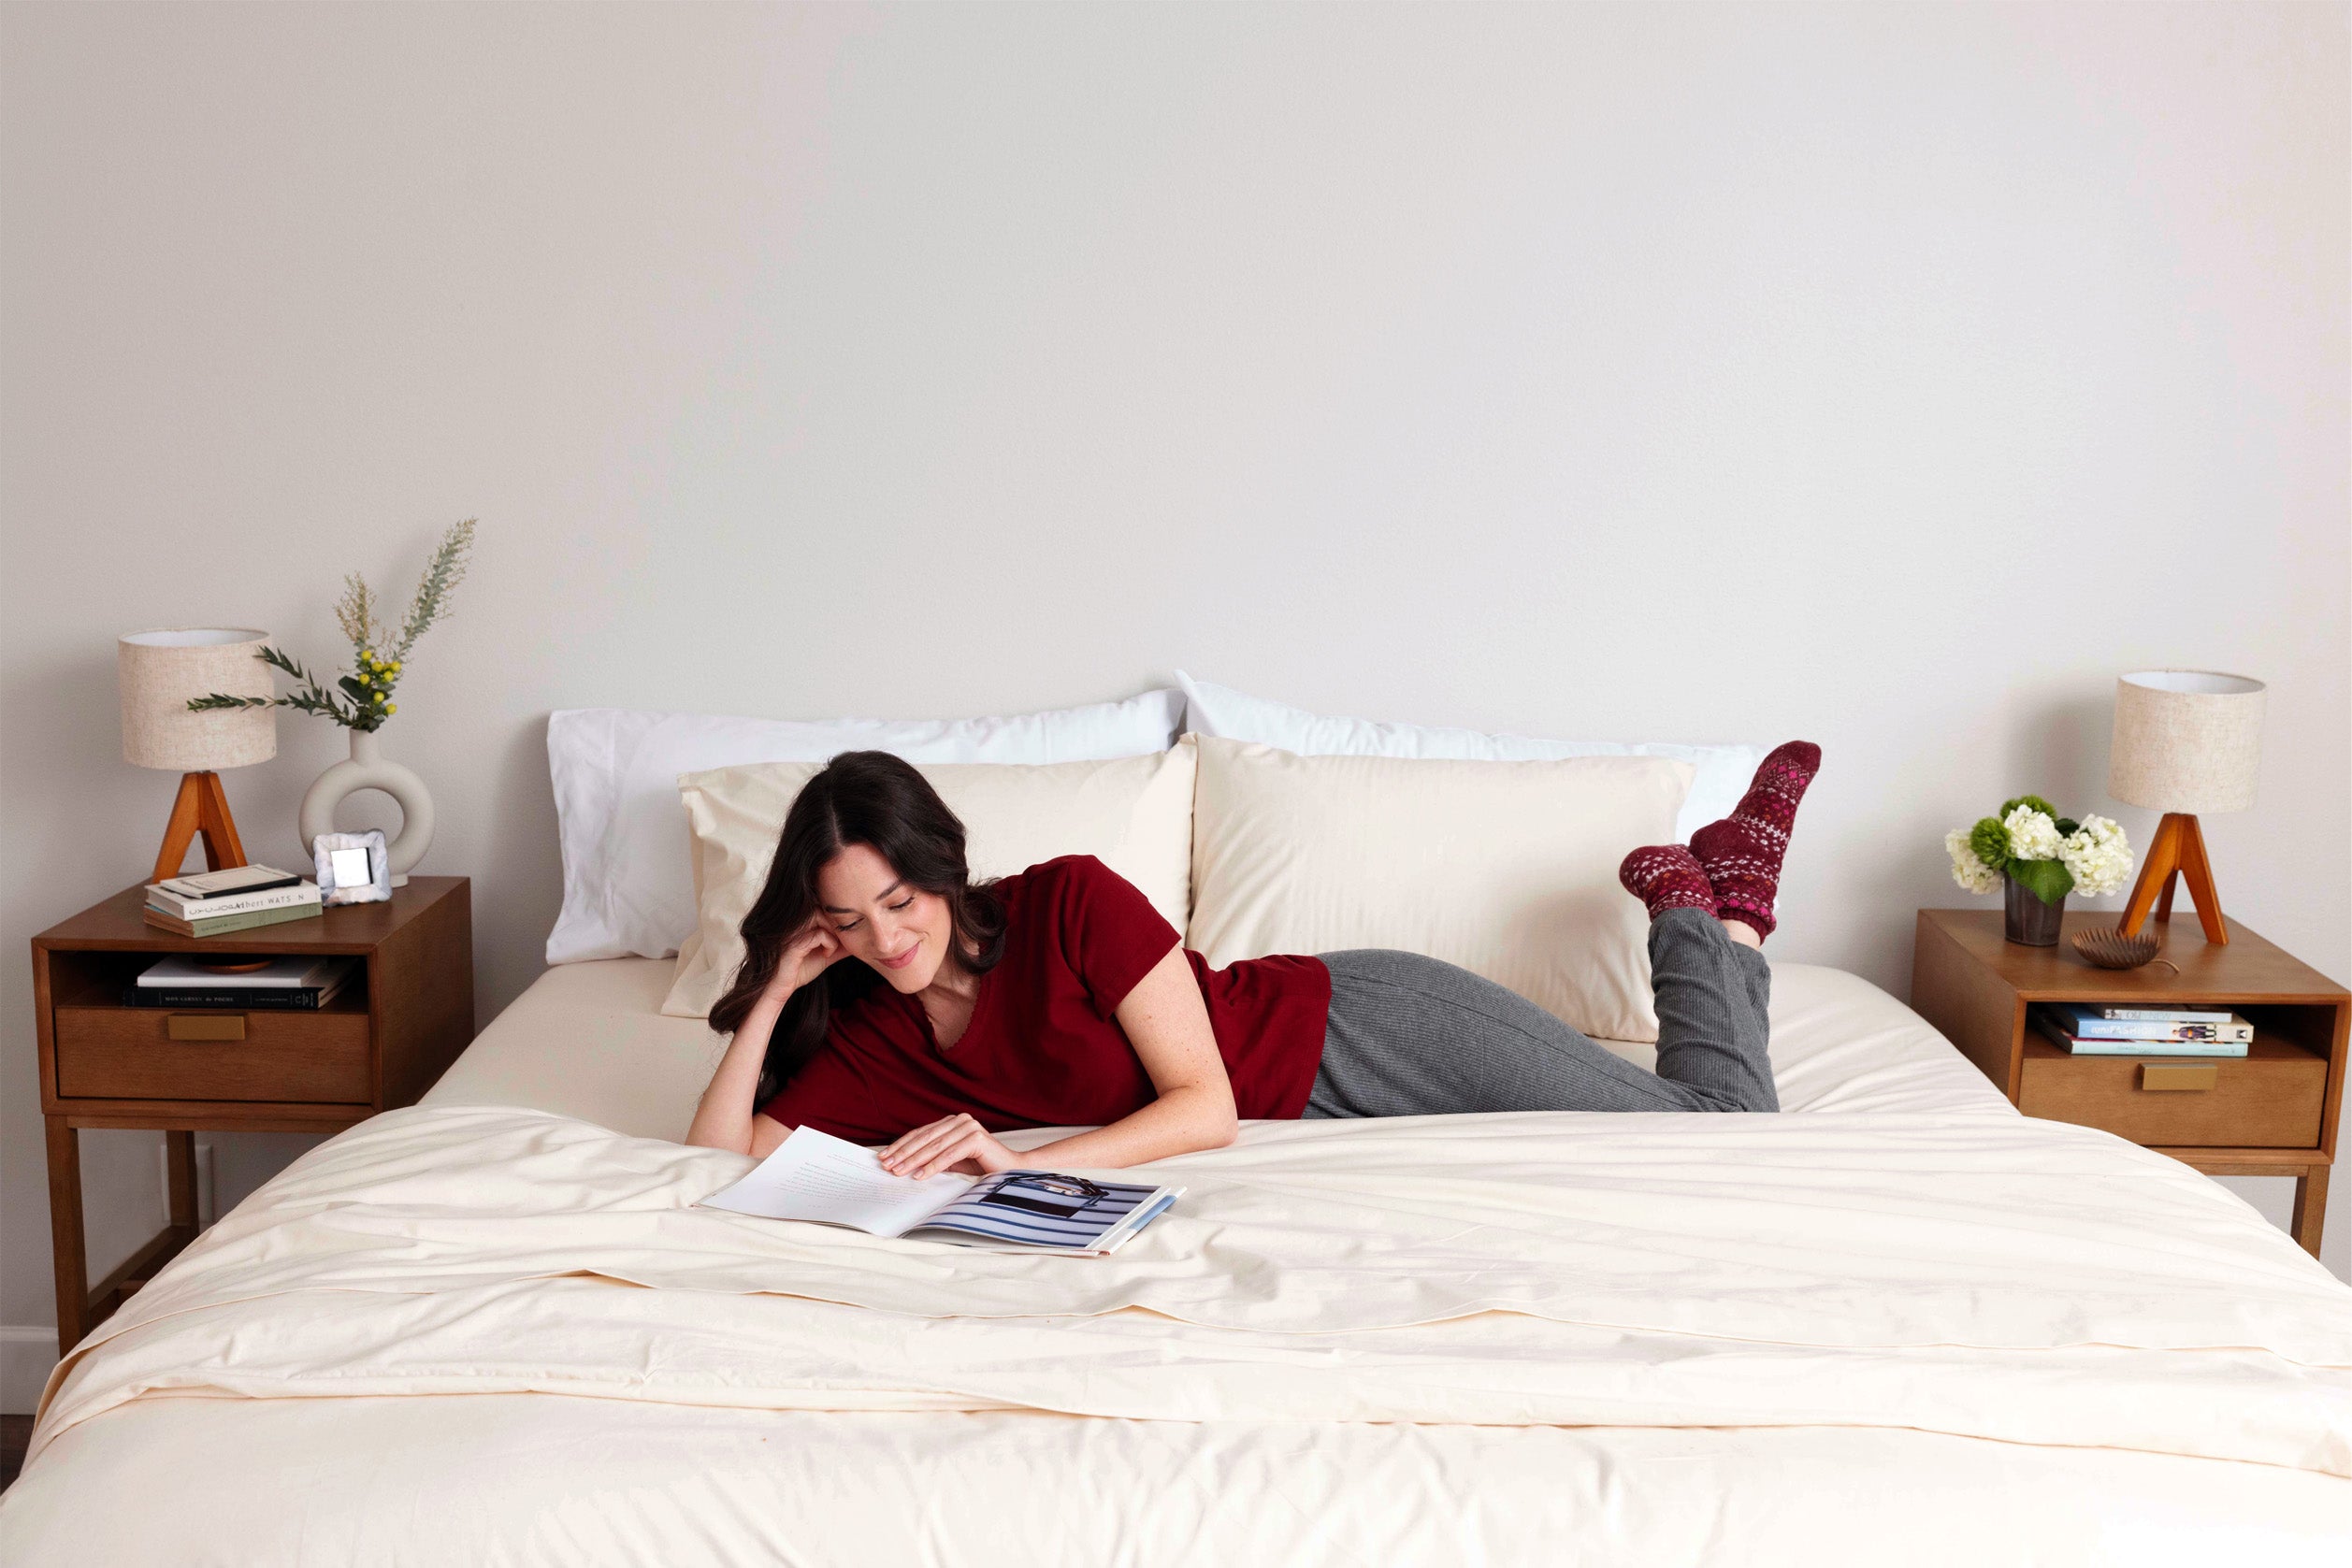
(2271, 1100)
(116, 923)
(2247, 968)
(379, 1044)
(125, 1053)
(1968, 1000)
(2273, 1113)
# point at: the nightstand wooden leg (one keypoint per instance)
(2311, 1203)
(67, 1248)
(180, 1161)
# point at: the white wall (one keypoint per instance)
(1891, 376)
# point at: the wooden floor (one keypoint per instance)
(15, 1433)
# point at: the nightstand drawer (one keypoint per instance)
(2261, 1102)
(131, 1053)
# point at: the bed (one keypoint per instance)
(1895, 1319)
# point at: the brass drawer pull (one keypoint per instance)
(204, 1026)
(2178, 1075)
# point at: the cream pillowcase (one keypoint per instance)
(1723, 771)
(1134, 813)
(1507, 869)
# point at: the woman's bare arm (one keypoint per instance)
(726, 1118)
(1167, 1023)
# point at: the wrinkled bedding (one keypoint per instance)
(494, 1328)
(1967, 1276)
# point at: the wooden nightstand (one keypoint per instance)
(2271, 1112)
(377, 1044)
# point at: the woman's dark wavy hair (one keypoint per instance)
(860, 797)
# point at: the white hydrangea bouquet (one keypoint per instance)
(2047, 855)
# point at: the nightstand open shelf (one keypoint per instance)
(377, 1044)
(2270, 1113)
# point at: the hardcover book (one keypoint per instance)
(2084, 1023)
(278, 974)
(2168, 1015)
(234, 881)
(298, 984)
(292, 891)
(251, 1002)
(227, 923)
(2075, 1045)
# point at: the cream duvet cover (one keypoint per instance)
(1538, 1337)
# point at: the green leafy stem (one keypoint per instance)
(359, 712)
(363, 699)
(2046, 880)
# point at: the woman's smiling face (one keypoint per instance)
(902, 931)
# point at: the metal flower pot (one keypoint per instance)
(2026, 919)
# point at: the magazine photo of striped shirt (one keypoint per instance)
(1041, 1208)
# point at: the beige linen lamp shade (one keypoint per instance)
(158, 673)
(2186, 741)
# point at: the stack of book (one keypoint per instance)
(218, 902)
(306, 982)
(2143, 1032)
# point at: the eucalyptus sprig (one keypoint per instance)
(362, 700)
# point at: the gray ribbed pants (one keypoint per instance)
(1412, 1036)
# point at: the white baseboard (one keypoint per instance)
(27, 1355)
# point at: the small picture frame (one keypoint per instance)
(352, 867)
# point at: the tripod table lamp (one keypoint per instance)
(159, 674)
(2186, 741)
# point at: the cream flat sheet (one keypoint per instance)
(589, 1041)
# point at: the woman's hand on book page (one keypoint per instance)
(952, 1142)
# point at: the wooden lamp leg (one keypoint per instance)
(2176, 853)
(2197, 875)
(2157, 868)
(200, 808)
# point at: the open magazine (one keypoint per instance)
(815, 1176)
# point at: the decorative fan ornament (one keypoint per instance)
(2112, 949)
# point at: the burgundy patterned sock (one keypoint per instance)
(1741, 854)
(1665, 877)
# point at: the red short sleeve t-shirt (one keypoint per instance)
(1043, 1047)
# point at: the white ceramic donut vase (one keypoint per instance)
(368, 770)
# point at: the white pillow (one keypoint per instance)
(1507, 869)
(1135, 814)
(1722, 771)
(628, 885)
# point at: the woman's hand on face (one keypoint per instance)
(806, 954)
(956, 1143)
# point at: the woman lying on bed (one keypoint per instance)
(1059, 996)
